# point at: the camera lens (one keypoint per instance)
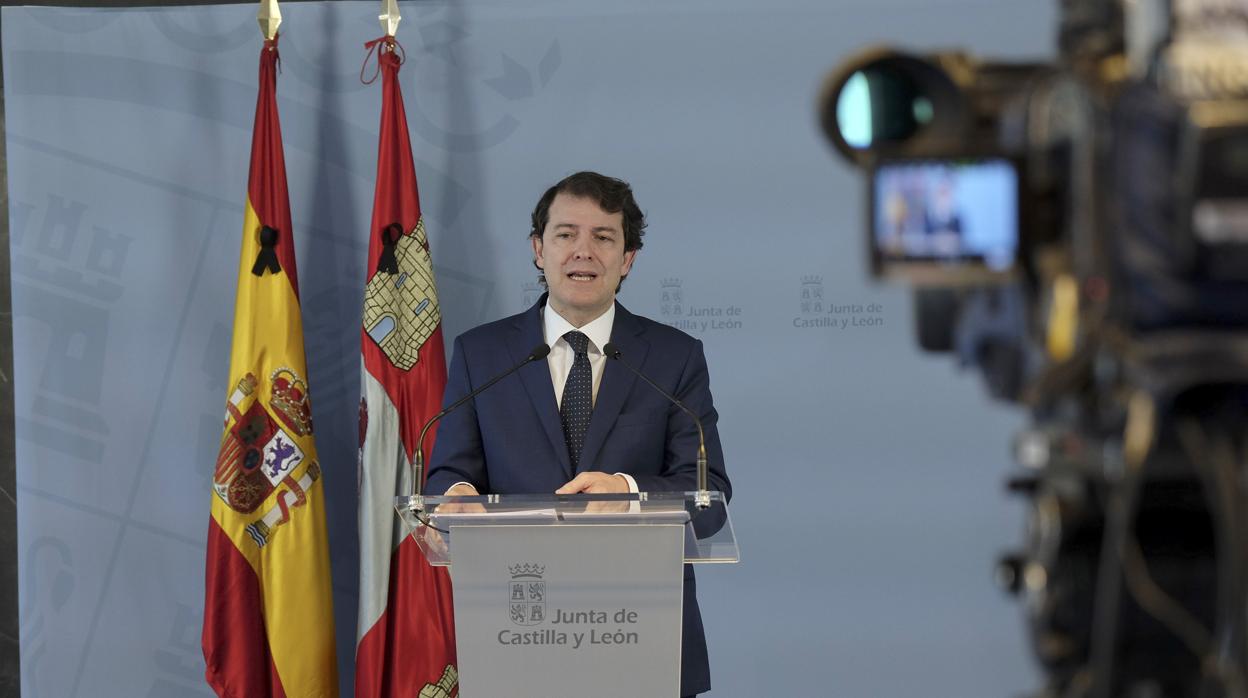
(881, 105)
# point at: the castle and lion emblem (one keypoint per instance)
(401, 308)
(526, 593)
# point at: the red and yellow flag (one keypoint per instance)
(268, 609)
(406, 634)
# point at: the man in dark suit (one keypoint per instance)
(577, 422)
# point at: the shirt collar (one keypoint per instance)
(598, 330)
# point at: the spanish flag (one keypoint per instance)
(268, 609)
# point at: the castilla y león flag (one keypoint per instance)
(268, 609)
(406, 636)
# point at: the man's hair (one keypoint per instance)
(612, 195)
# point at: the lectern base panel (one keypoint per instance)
(568, 611)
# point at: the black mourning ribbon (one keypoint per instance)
(389, 238)
(267, 259)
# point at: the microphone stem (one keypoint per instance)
(702, 468)
(418, 458)
(703, 500)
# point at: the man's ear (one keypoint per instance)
(536, 241)
(628, 262)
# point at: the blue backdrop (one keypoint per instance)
(868, 476)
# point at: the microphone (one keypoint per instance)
(703, 498)
(538, 353)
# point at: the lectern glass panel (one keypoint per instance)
(432, 521)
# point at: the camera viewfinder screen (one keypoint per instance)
(947, 211)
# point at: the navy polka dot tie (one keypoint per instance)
(578, 397)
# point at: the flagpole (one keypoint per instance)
(389, 16)
(268, 523)
(406, 629)
(269, 17)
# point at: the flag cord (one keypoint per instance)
(271, 45)
(388, 43)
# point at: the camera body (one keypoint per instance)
(1078, 231)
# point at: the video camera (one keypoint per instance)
(1078, 230)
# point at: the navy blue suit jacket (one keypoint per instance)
(509, 439)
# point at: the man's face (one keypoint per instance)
(581, 251)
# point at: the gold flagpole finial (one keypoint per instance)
(270, 17)
(389, 16)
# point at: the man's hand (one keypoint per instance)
(598, 483)
(595, 483)
(461, 489)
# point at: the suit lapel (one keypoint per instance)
(617, 382)
(526, 334)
